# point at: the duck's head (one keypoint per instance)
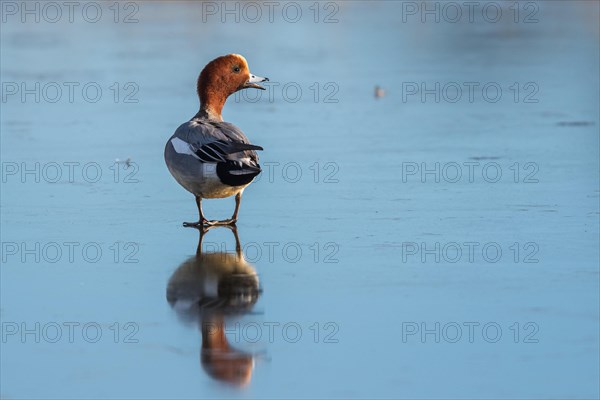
(222, 77)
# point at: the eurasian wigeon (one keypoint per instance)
(208, 157)
(209, 287)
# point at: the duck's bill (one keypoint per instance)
(254, 80)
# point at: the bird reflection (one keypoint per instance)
(207, 287)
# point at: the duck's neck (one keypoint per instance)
(210, 113)
(213, 335)
(211, 104)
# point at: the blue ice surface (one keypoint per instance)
(378, 312)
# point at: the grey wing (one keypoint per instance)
(231, 131)
(214, 142)
(234, 133)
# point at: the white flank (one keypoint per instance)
(209, 171)
(211, 286)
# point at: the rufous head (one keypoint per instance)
(222, 77)
(221, 361)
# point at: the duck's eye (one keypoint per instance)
(236, 69)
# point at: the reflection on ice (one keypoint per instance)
(208, 287)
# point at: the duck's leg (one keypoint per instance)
(238, 202)
(238, 246)
(201, 221)
(233, 219)
(202, 231)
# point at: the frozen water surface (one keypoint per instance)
(370, 275)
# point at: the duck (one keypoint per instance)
(209, 288)
(209, 157)
(214, 281)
